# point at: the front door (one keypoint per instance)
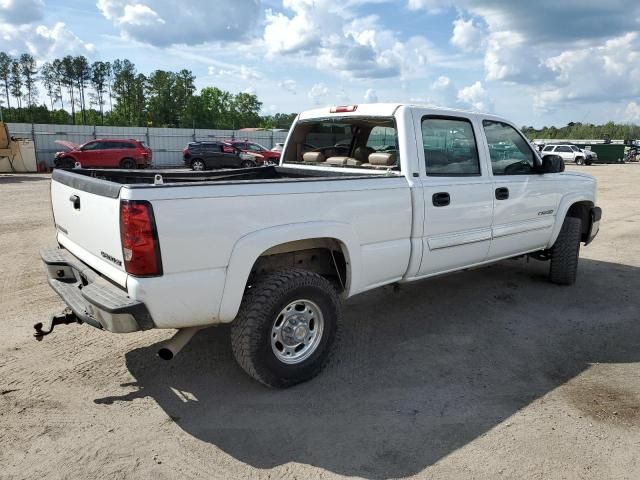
(92, 155)
(458, 200)
(525, 201)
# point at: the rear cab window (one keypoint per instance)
(367, 143)
(450, 148)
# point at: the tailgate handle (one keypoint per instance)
(75, 199)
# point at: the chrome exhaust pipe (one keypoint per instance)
(172, 347)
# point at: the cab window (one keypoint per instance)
(509, 151)
(449, 147)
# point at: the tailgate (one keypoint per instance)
(87, 216)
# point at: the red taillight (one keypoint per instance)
(344, 108)
(140, 246)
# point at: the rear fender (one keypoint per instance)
(251, 246)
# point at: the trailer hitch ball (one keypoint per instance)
(65, 318)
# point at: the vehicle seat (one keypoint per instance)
(316, 157)
(362, 153)
(342, 161)
(381, 160)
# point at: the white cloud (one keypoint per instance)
(189, 22)
(318, 93)
(632, 112)
(138, 15)
(249, 90)
(370, 96)
(21, 12)
(444, 92)
(467, 35)
(594, 74)
(289, 85)
(243, 72)
(337, 38)
(475, 97)
(43, 42)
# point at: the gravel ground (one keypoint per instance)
(492, 373)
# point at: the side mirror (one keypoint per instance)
(552, 164)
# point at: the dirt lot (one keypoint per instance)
(493, 373)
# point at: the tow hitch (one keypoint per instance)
(64, 318)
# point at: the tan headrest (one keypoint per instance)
(382, 159)
(313, 157)
(337, 160)
(352, 162)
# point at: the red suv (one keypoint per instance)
(104, 153)
(250, 147)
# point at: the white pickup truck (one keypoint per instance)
(391, 193)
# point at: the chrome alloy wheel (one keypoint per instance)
(297, 331)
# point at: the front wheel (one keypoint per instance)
(248, 164)
(198, 165)
(565, 252)
(579, 161)
(68, 162)
(287, 324)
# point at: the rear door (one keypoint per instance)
(458, 199)
(566, 152)
(87, 216)
(525, 201)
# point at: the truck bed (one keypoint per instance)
(243, 175)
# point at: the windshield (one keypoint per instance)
(367, 143)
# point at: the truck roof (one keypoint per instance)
(385, 110)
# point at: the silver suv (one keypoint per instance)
(571, 154)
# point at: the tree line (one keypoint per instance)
(116, 93)
(586, 131)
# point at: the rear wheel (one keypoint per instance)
(287, 324)
(128, 164)
(248, 164)
(565, 252)
(580, 161)
(198, 165)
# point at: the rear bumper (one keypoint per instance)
(594, 224)
(93, 299)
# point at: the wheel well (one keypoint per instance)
(324, 256)
(582, 210)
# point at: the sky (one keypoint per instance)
(540, 63)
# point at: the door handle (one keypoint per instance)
(75, 199)
(441, 199)
(502, 193)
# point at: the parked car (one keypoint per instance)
(274, 251)
(207, 155)
(256, 148)
(570, 153)
(104, 153)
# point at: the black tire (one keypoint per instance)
(579, 161)
(248, 164)
(197, 164)
(128, 164)
(263, 306)
(68, 162)
(565, 252)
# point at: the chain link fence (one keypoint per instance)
(166, 143)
